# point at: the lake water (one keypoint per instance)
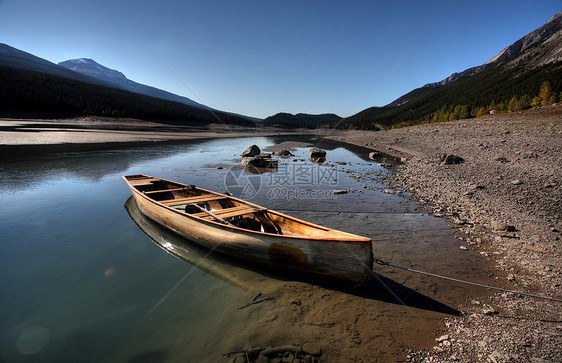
(84, 277)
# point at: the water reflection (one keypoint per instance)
(197, 256)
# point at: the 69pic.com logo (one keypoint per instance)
(242, 184)
(288, 182)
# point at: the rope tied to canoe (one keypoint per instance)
(387, 263)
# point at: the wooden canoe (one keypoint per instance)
(249, 232)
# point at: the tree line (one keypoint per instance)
(544, 98)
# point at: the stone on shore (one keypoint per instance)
(260, 161)
(251, 151)
(317, 153)
(374, 154)
(501, 227)
(450, 159)
(312, 349)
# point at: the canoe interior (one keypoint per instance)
(220, 208)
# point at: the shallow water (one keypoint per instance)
(83, 279)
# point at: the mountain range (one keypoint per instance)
(87, 71)
(539, 47)
(83, 87)
(93, 69)
(12, 57)
(517, 71)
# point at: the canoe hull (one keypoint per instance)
(349, 261)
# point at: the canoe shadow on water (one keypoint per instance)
(252, 279)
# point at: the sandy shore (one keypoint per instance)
(21, 137)
(507, 198)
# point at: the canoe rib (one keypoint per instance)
(283, 242)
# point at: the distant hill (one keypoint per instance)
(31, 86)
(12, 57)
(93, 69)
(514, 76)
(300, 120)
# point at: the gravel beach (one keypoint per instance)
(504, 191)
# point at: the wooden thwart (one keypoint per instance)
(143, 181)
(165, 190)
(189, 200)
(231, 212)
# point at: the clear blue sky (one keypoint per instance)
(262, 57)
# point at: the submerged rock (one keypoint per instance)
(283, 153)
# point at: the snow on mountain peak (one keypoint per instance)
(92, 68)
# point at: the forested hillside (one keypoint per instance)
(300, 120)
(25, 91)
(495, 88)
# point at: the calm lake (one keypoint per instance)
(85, 277)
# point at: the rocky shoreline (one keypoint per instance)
(506, 196)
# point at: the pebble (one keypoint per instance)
(488, 310)
(516, 182)
(312, 349)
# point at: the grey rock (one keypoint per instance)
(276, 351)
(260, 161)
(312, 349)
(374, 154)
(502, 227)
(252, 150)
(498, 226)
(496, 357)
(488, 310)
(451, 159)
(283, 153)
(317, 153)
